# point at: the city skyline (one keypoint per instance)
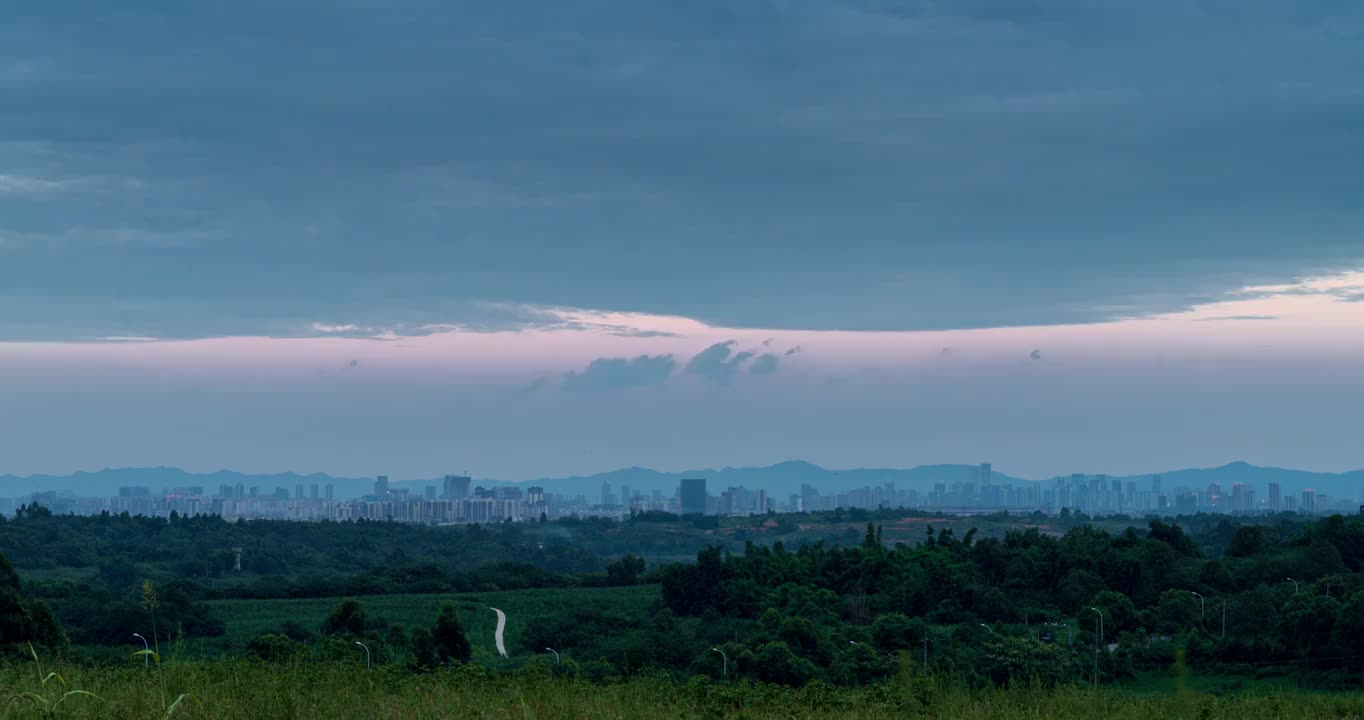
(978, 490)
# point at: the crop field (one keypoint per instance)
(246, 619)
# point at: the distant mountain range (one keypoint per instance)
(778, 480)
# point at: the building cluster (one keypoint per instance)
(456, 500)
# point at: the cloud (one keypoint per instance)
(1035, 355)
(766, 364)
(354, 364)
(329, 329)
(791, 352)
(579, 188)
(718, 363)
(1238, 317)
(621, 373)
(633, 332)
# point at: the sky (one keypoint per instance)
(417, 237)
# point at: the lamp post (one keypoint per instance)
(556, 655)
(1098, 642)
(1200, 606)
(367, 656)
(724, 669)
(987, 627)
(146, 657)
(1295, 585)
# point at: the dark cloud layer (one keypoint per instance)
(179, 169)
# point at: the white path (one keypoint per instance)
(497, 635)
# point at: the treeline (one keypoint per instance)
(1030, 604)
(1241, 595)
(89, 569)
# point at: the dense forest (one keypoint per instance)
(1250, 596)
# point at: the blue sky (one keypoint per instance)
(654, 180)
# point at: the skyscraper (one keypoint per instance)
(606, 493)
(330, 491)
(381, 487)
(457, 487)
(692, 493)
(1309, 501)
(1275, 497)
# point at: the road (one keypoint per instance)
(497, 635)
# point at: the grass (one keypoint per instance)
(1159, 682)
(246, 619)
(232, 689)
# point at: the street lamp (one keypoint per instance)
(987, 627)
(1200, 606)
(146, 657)
(367, 656)
(1295, 585)
(556, 655)
(1098, 641)
(724, 669)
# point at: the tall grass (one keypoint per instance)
(234, 689)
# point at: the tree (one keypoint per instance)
(452, 645)
(1025, 659)
(1119, 613)
(1306, 623)
(272, 648)
(1349, 628)
(347, 619)
(775, 663)
(895, 631)
(24, 621)
(625, 571)
(424, 654)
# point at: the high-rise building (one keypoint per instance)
(457, 487)
(381, 487)
(312, 492)
(986, 473)
(330, 491)
(430, 491)
(625, 495)
(298, 491)
(606, 493)
(535, 495)
(1275, 497)
(1309, 501)
(692, 493)
(1238, 498)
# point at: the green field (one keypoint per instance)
(246, 619)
